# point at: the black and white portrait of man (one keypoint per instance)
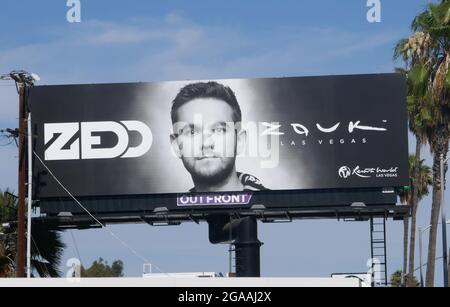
(207, 137)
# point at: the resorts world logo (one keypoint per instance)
(345, 172)
(368, 172)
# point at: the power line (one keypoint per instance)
(142, 258)
(154, 265)
(76, 246)
(42, 266)
(6, 144)
(12, 134)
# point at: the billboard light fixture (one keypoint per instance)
(388, 190)
(356, 219)
(286, 219)
(160, 210)
(65, 214)
(358, 205)
(276, 221)
(258, 208)
(165, 223)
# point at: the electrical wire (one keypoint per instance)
(76, 246)
(133, 251)
(10, 134)
(6, 144)
(42, 266)
(4, 135)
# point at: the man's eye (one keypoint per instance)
(219, 130)
(189, 132)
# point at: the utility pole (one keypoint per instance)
(24, 81)
(22, 168)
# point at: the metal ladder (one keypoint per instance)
(231, 259)
(378, 251)
(231, 254)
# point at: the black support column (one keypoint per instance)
(247, 248)
(243, 233)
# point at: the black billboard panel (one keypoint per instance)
(220, 136)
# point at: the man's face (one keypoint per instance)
(206, 139)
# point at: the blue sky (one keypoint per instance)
(126, 41)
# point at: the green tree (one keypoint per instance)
(405, 198)
(396, 280)
(414, 51)
(435, 22)
(8, 235)
(46, 249)
(427, 56)
(100, 268)
(420, 187)
(6, 260)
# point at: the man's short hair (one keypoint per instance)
(206, 90)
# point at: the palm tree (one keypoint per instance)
(6, 261)
(427, 52)
(420, 186)
(396, 280)
(435, 21)
(46, 249)
(8, 212)
(414, 52)
(405, 198)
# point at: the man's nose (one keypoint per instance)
(207, 140)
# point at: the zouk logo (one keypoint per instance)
(274, 128)
(322, 135)
(63, 141)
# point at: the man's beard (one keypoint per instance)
(210, 177)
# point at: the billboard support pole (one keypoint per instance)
(30, 193)
(243, 234)
(444, 220)
(247, 248)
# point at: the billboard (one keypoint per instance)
(211, 136)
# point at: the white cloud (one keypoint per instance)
(9, 165)
(96, 33)
(173, 47)
(9, 104)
